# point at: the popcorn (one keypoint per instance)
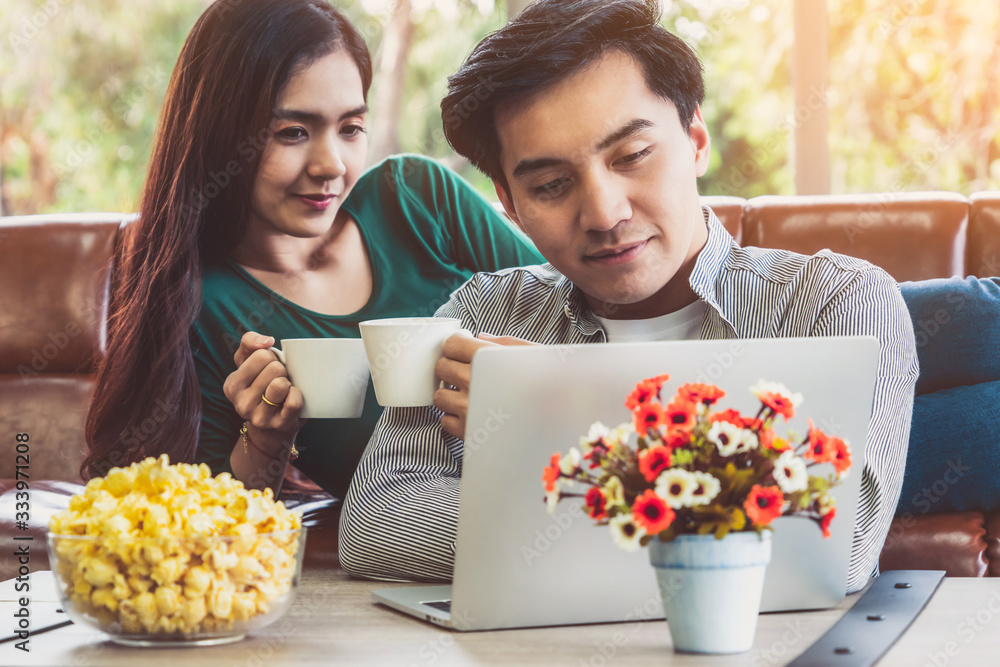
(179, 551)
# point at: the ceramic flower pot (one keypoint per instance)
(711, 589)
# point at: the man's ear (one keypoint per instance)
(508, 204)
(701, 142)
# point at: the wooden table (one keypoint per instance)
(334, 621)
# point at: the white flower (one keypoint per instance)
(614, 491)
(766, 387)
(826, 503)
(569, 463)
(726, 437)
(706, 490)
(626, 532)
(731, 439)
(552, 499)
(621, 434)
(598, 432)
(747, 440)
(790, 472)
(677, 487)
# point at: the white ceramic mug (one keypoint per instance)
(402, 352)
(331, 373)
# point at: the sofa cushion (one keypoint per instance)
(956, 322)
(954, 542)
(954, 456)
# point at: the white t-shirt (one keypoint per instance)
(684, 324)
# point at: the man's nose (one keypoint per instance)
(604, 203)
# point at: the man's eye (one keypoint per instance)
(353, 130)
(635, 157)
(551, 189)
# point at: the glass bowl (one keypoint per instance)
(177, 591)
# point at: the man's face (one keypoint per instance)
(602, 178)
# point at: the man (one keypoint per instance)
(586, 115)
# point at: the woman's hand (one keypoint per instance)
(455, 368)
(260, 390)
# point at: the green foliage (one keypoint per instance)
(913, 99)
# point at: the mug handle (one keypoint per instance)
(278, 353)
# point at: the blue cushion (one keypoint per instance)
(956, 322)
(953, 463)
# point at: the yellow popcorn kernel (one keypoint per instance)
(139, 584)
(121, 590)
(94, 485)
(220, 603)
(237, 508)
(98, 572)
(167, 571)
(268, 589)
(168, 600)
(81, 588)
(168, 624)
(115, 525)
(220, 558)
(129, 617)
(193, 612)
(119, 481)
(145, 607)
(247, 569)
(103, 597)
(196, 582)
(244, 606)
(152, 553)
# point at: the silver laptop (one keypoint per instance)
(516, 565)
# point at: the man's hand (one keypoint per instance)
(259, 376)
(455, 368)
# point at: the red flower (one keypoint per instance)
(841, 455)
(676, 439)
(781, 405)
(824, 521)
(551, 473)
(700, 393)
(763, 504)
(596, 504)
(642, 393)
(645, 391)
(653, 461)
(680, 415)
(821, 449)
(652, 513)
(598, 450)
(648, 415)
(731, 416)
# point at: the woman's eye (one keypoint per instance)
(292, 133)
(552, 189)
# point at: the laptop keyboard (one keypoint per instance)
(440, 605)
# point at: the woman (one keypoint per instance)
(256, 216)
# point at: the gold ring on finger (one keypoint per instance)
(271, 403)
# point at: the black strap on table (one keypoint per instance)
(875, 622)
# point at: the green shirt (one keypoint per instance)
(426, 232)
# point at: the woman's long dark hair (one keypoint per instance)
(194, 210)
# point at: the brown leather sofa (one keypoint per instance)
(55, 274)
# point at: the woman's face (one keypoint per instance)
(316, 151)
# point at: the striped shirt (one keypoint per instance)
(401, 513)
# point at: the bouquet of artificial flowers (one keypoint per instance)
(683, 468)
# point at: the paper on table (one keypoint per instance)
(44, 608)
(42, 588)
